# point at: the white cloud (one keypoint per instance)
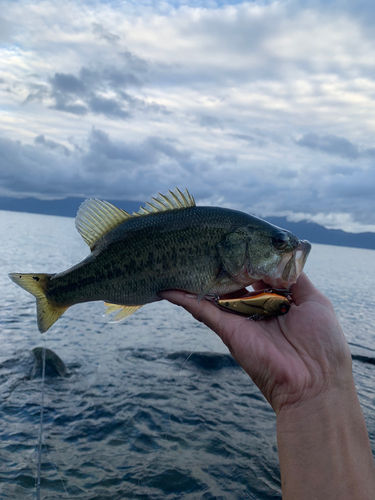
(267, 106)
(333, 221)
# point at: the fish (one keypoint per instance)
(171, 243)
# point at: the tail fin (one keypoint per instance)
(47, 312)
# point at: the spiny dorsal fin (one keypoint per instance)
(95, 218)
(165, 203)
(122, 312)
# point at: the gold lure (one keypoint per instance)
(263, 305)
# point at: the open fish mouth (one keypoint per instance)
(295, 265)
(291, 266)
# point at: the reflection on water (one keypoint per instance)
(127, 421)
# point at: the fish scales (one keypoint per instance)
(148, 254)
(168, 244)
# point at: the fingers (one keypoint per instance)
(203, 311)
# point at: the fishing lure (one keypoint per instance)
(267, 304)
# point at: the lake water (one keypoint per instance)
(132, 419)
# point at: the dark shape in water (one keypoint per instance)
(205, 360)
(364, 359)
(55, 367)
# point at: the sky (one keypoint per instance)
(262, 106)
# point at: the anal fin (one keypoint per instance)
(121, 311)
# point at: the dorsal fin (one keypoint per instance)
(95, 218)
(166, 203)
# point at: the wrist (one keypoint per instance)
(319, 395)
(324, 447)
(330, 408)
(330, 377)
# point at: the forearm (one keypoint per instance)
(324, 449)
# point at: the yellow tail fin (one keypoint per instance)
(47, 312)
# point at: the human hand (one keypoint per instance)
(291, 358)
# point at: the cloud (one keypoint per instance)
(47, 143)
(99, 30)
(68, 84)
(109, 168)
(109, 107)
(129, 156)
(330, 144)
(86, 93)
(102, 89)
(334, 145)
(220, 159)
(5, 30)
(127, 99)
(210, 121)
(103, 167)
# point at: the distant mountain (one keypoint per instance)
(319, 234)
(304, 230)
(68, 207)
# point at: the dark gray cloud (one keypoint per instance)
(89, 90)
(330, 144)
(68, 84)
(108, 107)
(111, 168)
(47, 143)
(84, 94)
(114, 155)
(333, 145)
(75, 109)
(27, 169)
(102, 168)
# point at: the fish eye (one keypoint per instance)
(280, 241)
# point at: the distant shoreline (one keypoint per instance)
(311, 231)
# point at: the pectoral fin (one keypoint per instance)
(208, 288)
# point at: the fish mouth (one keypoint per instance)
(291, 265)
(296, 263)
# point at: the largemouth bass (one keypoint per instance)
(169, 244)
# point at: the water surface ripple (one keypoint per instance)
(132, 419)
